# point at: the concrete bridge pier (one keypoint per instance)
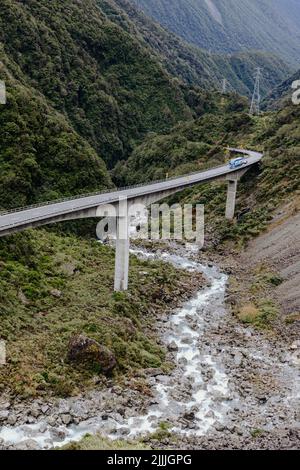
(122, 248)
(232, 179)
(231, 198)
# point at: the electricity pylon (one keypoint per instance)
(224, 86)
(255, 102)
(223, 90)
(2, 92)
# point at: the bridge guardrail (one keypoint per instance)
(106, 191)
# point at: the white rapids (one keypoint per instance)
(176, 396)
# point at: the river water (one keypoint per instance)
(198, 393)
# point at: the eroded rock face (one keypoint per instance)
(88, 352)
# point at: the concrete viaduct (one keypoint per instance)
(94, 206)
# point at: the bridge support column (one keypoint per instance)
(122, 249)
(231, 198)
(233, 179)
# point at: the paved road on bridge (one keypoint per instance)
(16, 219)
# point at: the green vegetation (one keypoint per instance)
(98, 442)
(253, 296)
(265, 279)
(229, 25)
(199, 144)
(92, 87)
(191, 64)
(292, 318)
(281, 95)
(162, 432)
(54, 287)
(86, 84)
(41, 156)
(257, 433)
(190, 145)
(260, 314)
(101, 78)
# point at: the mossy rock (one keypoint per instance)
(89, 353)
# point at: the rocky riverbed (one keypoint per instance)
(232, 387)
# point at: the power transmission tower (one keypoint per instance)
(2, 87)
(255, 102)
(224, 86)
(2, 92)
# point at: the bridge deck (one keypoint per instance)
(18, 217)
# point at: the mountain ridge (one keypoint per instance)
(281, 95)
(272, 26)
(108, 86)
(193, 65)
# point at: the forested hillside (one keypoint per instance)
(99, 95)
(108, 86)
(193, 65)
(201, 144)
(80, 89)
(87, 81)
(41, 156)
(281, 94)
(230, 25)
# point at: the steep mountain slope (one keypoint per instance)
(82, 88)
(193, 65)
(230, 25)
(108, 85)
(107, 77)
(280, 247)
(200, 144)
(38, 325)
(41, 156)
(83, 82)
(78, 88)
(281, 94)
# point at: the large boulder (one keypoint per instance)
(91, 354)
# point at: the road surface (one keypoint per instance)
(16, 220)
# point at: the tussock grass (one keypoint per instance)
(53, 287)
(292, 318)
(98, 442)
(260, 315)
